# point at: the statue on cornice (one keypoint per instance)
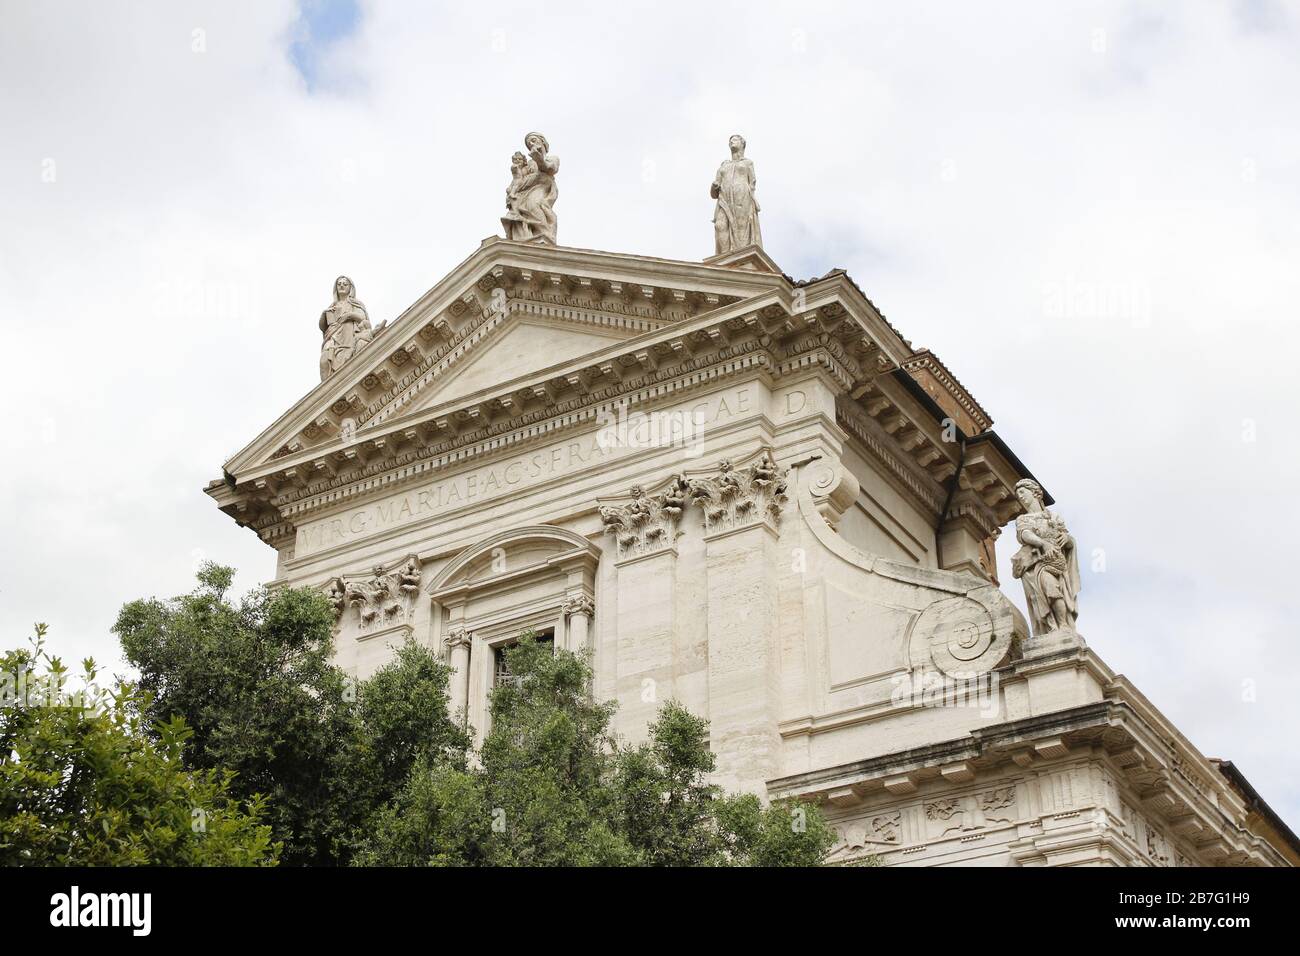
(1046, 564)
(530, 198)
(345, 327)
(735, 219)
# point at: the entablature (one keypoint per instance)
(1109, 731)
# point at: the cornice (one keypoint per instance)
(530, 428)
(561, 416)
(557, 383)
(1200, 813)
(925, 359)
(827, 332)
(274, 515)
(873, 438)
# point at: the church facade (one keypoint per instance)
(748, 493)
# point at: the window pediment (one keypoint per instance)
(506, 560)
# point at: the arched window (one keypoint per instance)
(538, 578)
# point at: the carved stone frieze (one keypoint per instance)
(943, 811)
(972, 811)
(998, 805)
(858, 838)
(885, 826)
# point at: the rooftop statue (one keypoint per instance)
(345, 327)
(735, 220)
(1046, 564)
(530, 198)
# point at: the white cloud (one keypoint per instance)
(1090, 211)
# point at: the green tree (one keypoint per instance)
(674, 817)
(83, 784)
(441, 817)
(545, 763)
(255, 682)
(552, 787)
(534, 797)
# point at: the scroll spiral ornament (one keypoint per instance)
(963, 638)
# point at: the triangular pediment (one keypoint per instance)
(519, 347)
(508, 310)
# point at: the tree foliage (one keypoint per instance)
(83, 784)
(378, 772)
(255, 682)
(553, 787)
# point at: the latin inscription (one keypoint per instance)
(485, 484)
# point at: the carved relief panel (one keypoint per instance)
(974, 811)
(915, 825)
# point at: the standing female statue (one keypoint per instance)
(1046, 563)
(345, 327)
(530, 199)
(735, 220)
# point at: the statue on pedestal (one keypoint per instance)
(1046, 564)
(530, 198)
(345, 327)
(735, 219)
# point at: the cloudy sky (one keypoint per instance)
(1091, 211)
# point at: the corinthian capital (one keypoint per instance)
(579, 604)
(456, 637)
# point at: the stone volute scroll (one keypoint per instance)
(833, 487)
(965, 636)
(345, 328)
(1046, 564)
(735, 217)
(531, 195)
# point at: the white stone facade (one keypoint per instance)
(748, 494)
